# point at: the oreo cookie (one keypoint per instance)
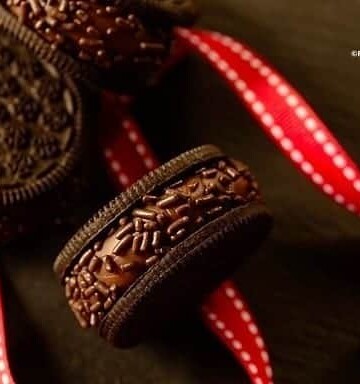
(115, 42)
(41, 132)
(162, 245)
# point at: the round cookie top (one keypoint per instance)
(40, 124)
(105, 34)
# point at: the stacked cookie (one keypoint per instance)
(172, 236)
(46, 48)
(120, 43)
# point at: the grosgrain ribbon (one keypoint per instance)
(283, 114)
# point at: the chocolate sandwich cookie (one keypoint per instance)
(118, 42)
(162, 244)
(40, 134)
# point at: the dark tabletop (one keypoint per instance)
(303, 285)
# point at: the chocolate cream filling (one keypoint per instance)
(147, 231)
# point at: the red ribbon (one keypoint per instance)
(290, 122)
(5, 372)
(283, 114)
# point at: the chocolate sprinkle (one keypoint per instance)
(123, 243)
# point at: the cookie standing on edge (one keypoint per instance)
(118, 43)
(40, 136)
(162, 244)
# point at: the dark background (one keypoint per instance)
(303, 285)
